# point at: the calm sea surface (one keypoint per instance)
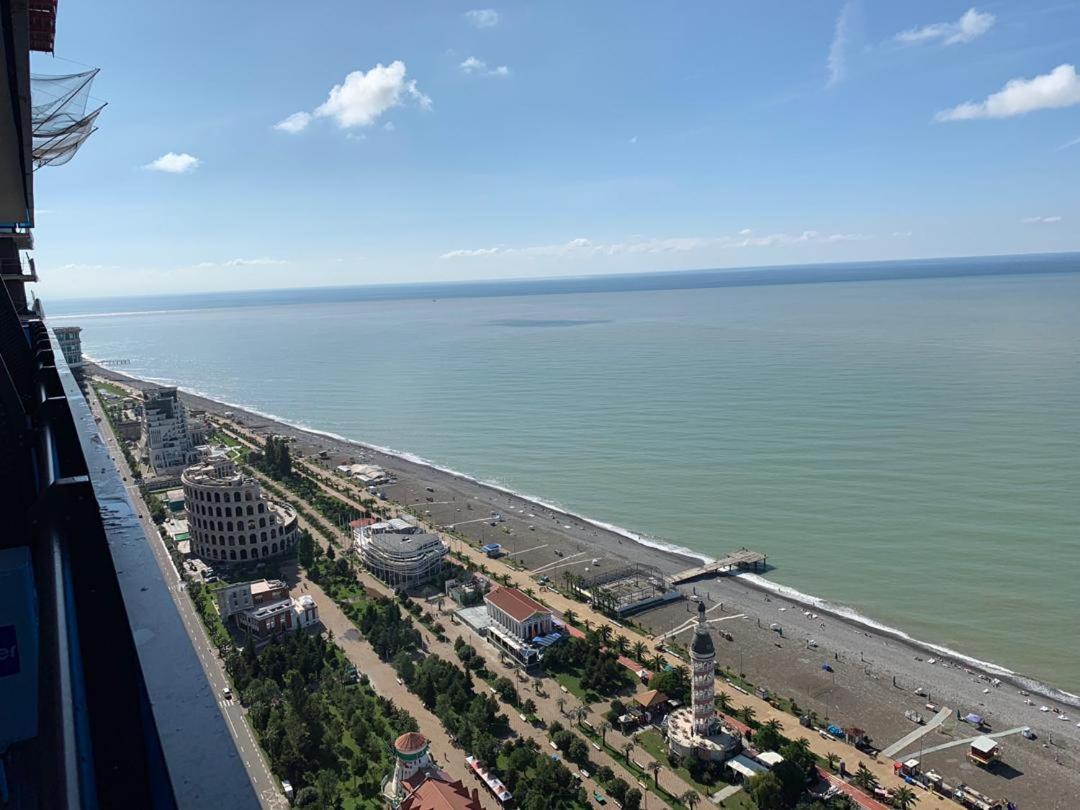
(907, 447)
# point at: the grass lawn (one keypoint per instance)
(111, 388)
(573, 685)
(225, 439)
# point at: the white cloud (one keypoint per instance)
(837, 61)
(297, 122)
(1066, 145)
(633, 139)
(582, 247)
(174, 163)
(389, 126)
(260, 262)
(901, 234)
(482, 17)
(971, 25)
(363, 97)
(1041, 220)
(479, 67)
(1058, 88)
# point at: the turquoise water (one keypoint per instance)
(909, 448)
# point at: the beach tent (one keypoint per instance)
(974, 719)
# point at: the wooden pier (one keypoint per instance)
(743, 560)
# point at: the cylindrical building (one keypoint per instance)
(229, 517)
(703, 676)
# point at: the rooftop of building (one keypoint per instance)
(261, 586)
(437, 794)
(397, 543)
(410, 742)
(514, 603)
(650, 699)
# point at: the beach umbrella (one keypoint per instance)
(974, 719)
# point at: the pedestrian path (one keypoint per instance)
(969, 740)
(909, 739)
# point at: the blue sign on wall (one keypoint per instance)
(9, 651)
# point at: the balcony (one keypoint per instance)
(120, 713)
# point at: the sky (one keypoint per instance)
(279, 144)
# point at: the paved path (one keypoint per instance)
(383, 678)
(909, 739)
(969, 740)
(266, 786)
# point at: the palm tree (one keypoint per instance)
(605, 633)
(588, 625)
(655, 768)
(626, 749)
(658, 663)
(723, 702)
(639, 651)
(538, 686)
(622, 645)
(561, 703)
(832, 759)
(747, 713)
(774, 725)
(690, 799)
(864, 779)
(605, 727)
(570, 616)
(904, 798)
(580, 713)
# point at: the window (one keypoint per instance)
(228, 509)
(243, 540)
(262, 523)
(273, 548)
(217, 499)
(232, 554)
(250, 511)
(253, 538)
(243, 554)
(228, 525)
(218, 508)
(262, 536)
(262, 507)
(247, 497)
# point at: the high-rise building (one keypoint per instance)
(230, 518)
(70, 345)
(166, 440)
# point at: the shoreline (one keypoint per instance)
(875, 673)
(677, 557)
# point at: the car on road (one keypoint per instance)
(226, 693)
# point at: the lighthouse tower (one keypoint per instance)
(702, 678)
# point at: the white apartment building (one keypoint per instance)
(165, 435)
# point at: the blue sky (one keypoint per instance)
(468, 141)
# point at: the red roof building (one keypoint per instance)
(520, 615)
(435, 794)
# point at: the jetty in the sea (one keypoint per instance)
(742, 560)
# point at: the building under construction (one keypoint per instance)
(628, 590)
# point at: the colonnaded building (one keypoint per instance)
(230, 518)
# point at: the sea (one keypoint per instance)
(901, 438)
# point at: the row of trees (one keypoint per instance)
(325, 737)
(537, 781)
(472, 717)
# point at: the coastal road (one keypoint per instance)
(266, 787)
